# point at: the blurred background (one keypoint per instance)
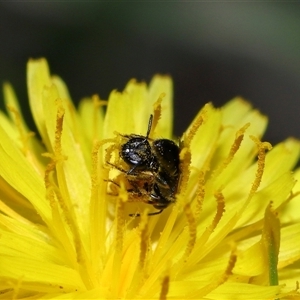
(213, 51)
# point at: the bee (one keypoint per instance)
(154, 168)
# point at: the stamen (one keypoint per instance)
(145, 240)
(98, 208)
(119, 234)
(192, 231)
(185, 155)
(293, 294)
(296, 290)
(234, 148)
(109, 150)
(141, 272)
(217, 282)
(189, 135)
(192, 227)
(58, 221)
(59, 128)
(200, 193)
(201, 248)
(262, 148)
(164, 237)
(219, 213)
(164, 288)
(220, 210)
(157, 112)
(59, 195)
(288, 200)
(185, 162)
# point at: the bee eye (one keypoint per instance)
(137, 151)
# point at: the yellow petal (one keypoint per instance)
(13, 163)
(38, 77)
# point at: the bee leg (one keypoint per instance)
(150, 214)
(155, 213)
(116, 167)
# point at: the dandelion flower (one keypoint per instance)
(65, 225)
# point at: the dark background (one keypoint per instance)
(213, 51)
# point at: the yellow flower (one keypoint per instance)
(65, 230)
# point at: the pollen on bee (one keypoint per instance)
(151, 168)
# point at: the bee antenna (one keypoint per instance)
(149, 125)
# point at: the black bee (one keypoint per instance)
(158, 162)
